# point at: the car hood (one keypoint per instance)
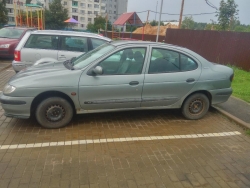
(46, 75)
(8, 40)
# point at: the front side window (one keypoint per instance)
(97, 42)
(77, 44)
(91, 56)
(167, 61)
(42, 42)
(127, 61)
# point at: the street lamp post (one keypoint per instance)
(158, 30)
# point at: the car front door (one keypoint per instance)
(72, 46)
(171, 75)
(119, 86)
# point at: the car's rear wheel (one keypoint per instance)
(195, 106)
(54, 112)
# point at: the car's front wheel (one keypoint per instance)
(54, 112)
(195, 106)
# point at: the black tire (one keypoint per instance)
(54, 112)
(195, 106)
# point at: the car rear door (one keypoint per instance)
(72, 46)
(171, 75)
(39, 46)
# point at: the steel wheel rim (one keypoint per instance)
(196, 107)
(55, 113)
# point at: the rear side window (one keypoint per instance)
(167, 61)
(97, 42)
(72, 43)
(42, 42)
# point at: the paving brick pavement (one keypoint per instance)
(113, 154)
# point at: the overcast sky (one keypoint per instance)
(190, 7)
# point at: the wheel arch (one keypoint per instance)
(208, 94)
(48, 94)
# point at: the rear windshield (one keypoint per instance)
(11, 33)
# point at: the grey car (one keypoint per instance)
(42, 46)
(119, 75)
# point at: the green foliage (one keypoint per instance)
(99, 23)
(130, 28)
(188, 23)
(155, 23)
(227, 13)
(3, 12)
(28, 1)
(56, 15)
(240, 84)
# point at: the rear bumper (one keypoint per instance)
(18, 107)
(220, 95)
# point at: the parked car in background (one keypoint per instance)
(9, 38)
(120, 75)
(50, 45)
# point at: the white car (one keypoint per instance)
(50, 45)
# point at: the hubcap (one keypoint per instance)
(55, 113)
(196, 106)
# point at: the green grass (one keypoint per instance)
(248, 132)
(241, 84)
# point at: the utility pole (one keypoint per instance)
(158, 30)
(156, 10)
(180, 20)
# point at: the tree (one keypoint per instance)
(155, 23)
(56, 15)
(99, 23)
(227, 13)
(28, 1)
(3, 12)
(188, 23)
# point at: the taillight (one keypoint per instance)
(17, 55)
(231, 77)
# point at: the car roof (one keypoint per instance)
(131, 42)
(118, 43)
(72, 33)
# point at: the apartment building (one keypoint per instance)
(84, 11)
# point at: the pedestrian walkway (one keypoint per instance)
(236, 109)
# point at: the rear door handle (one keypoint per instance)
(133, 83)
(190, 80)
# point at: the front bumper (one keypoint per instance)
(18, 107)
(5, 52)
(220, 95)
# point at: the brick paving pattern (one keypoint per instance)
(155, 163)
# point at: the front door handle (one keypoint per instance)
(133, 83)
(190, 80)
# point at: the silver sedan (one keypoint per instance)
(121, 75)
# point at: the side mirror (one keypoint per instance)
(97, 70)
(72, 59)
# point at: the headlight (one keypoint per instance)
(8, 89)
(4, 45)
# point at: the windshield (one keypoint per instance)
(85, 59)
(11, 33)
